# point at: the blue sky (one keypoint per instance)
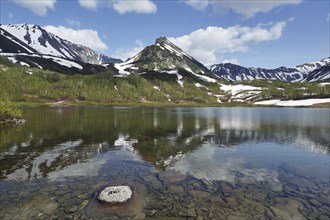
(268, 33)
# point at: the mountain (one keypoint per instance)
(104, 59)
(33, 46)
(164, 57)
(23, 42)
(319, 74)
(314, 71)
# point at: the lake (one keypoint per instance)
(198, 163)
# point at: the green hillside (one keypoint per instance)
(32, 86)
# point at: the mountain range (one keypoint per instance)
(33, 46)
(314, 71)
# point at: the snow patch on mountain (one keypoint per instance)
(121, 67)
(205, 78)
(241, 93)
(234, 89)
(179, 77)
(65, 62)
(309, 67)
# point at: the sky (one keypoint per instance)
(251, 33)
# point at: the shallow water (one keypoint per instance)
(198, 163)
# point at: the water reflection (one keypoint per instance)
(239, 119)
(58, 139)
(38, 166)
(210, 163)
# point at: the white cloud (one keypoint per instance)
(205, 44)
(86, 37)
(140, 7)
(124, 53)
(38, 7)
(328, 17)
(197, 4)
(121, 6)
(89, 4)
(246, 8)
(233, 61)
(72, 22)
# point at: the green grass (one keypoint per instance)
(289, 91)
(102, 89)
(8, 110)
(45, 87)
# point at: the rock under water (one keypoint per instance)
(115, 194)
(131, 209)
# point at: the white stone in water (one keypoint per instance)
(115, 194)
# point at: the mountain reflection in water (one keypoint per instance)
(56, 141)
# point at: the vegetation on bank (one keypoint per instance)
(9, 112)
(289, 91)
(32, 86)
(9, 109)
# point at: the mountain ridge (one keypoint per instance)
(300, 73)
(33, 39)
(29, 44)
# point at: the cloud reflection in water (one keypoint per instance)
(205, 164)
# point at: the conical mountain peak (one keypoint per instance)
(161, 40)
(164, 41)
(163, 55)
(166, 44)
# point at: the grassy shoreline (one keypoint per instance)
(79, 104)
(37, 104)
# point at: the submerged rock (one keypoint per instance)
(115, 194)
(172, 176)
(133, 208)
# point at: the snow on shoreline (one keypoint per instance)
(303, 102)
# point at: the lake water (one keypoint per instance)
(198, 163)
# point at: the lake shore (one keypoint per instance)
(319, 103)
